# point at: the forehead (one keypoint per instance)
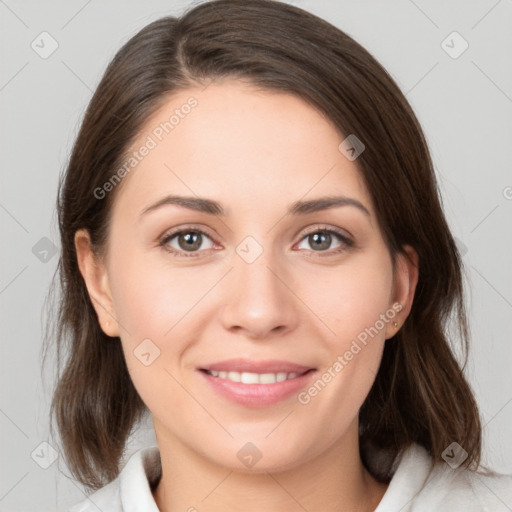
(241, 146)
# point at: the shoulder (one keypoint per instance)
(133, 486)
(452, 490)
(106, 499)
(419, 485)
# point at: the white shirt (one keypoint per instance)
(412, 488)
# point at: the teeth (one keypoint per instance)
(249, 378)
(254, 378)
(268, 378)
(234, 376)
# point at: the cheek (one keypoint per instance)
(354, 300)
(152, 303)
(351, 298)
(364, 297)
(160, 303)
(151, 299)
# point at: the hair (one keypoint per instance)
(420, 394)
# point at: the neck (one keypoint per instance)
(335, 480)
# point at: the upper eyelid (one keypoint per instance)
(171, 233)
(323, 227)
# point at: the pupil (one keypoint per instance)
(191, 241)
(317, 238)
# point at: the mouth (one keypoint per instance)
(256, 383)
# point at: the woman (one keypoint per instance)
(254, 253)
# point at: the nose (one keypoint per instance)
(260, 299)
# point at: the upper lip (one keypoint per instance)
(251, 366)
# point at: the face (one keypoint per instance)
(296, 303)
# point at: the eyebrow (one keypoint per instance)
(212, 207)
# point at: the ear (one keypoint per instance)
(405, 280)
(95, 275)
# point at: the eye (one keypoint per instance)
(321, 239)
(187, 240)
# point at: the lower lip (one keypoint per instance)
(257, 395)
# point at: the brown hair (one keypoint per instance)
(420, 393)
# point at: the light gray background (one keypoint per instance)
(464, 105)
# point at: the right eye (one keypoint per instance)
(188, 240)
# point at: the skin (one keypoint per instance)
(255, 152)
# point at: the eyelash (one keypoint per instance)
(347, 243)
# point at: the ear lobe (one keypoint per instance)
(405, 281)
(95, 276)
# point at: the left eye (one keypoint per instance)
(322, 239)
(191, 240)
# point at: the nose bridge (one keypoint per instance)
(258, 268)
(260, 301)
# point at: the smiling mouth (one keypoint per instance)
(255, 378)
(256, 383)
